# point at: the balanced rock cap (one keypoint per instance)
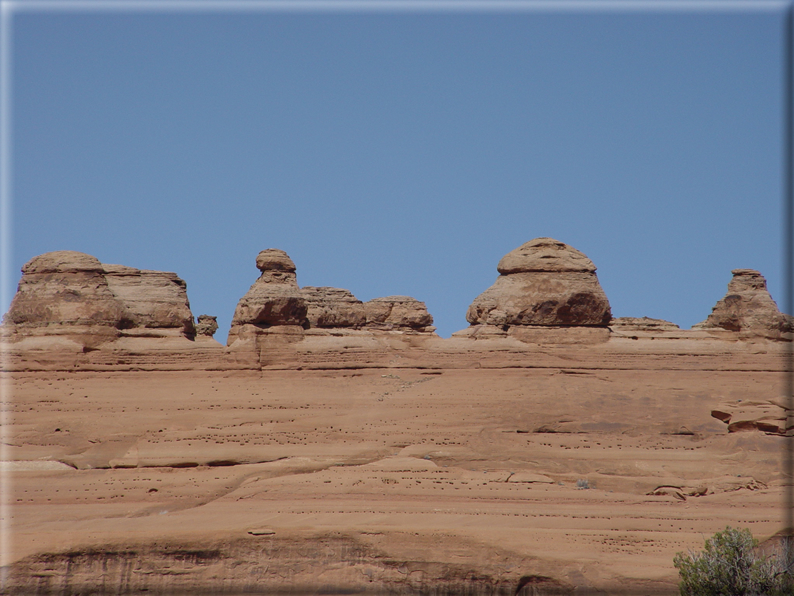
(274, 259)
(746, 280)
(544, 254)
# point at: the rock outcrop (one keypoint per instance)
(543, 283)
(206, 326)
(748, 309)
(275, 306)
(68, 293)
(273, 300)
(64, 290)
(151, 299)
(747, 415)
(333, 308)
(398, 313)
(642, 324)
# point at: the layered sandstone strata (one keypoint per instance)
(543, 282)
(333, 308)
(398, 313)
(642, 324)
(748, 309)
(72, 294)
(274, 300)
(278, 308)
(152, 299)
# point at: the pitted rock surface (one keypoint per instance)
(398, 312)
(333, 307)
(748, 308)
(543, 282)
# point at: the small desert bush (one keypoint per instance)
(730, 566)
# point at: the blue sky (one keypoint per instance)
(403, 152)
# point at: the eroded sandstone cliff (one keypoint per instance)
(72, 295)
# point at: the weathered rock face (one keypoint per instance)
(766, 416)
(543, 282)
(642, 324)
(276, 307)
(333, 307)
(273, 300)
(398, 312)
(152, 299)
(748, 308)
(68, 292)
(64, 289)
(206, 325)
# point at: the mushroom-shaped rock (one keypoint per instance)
(398, 313)
(274, 299)
(543, 282)
(151, 299)
(748, 308)
(276, 264)
(64, 289)
(333, 307)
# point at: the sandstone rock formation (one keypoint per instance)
(275, 305)
(642, 324)
(152, 299)
(72, 294)
(60, 290)
(543, 282)
(398, 313)
(206, 325)
(273, 300)
(746, 415)
(333, 307)
(748, 308)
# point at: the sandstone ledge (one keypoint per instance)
(293, 348)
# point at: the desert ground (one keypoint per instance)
(564, 469)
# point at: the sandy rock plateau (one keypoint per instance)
(335, 446)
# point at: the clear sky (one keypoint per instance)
(406, 151)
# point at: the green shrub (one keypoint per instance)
(730, 566)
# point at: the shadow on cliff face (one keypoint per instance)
(331, 564)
